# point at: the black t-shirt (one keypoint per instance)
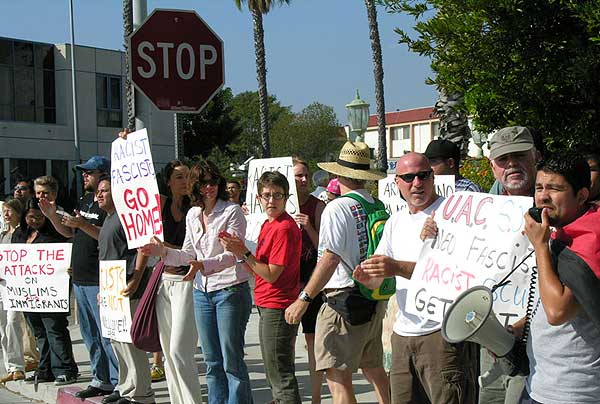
(84, 259)
(112, 244)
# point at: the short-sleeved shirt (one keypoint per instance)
(401, 241)
(84, 259)
(112, 246)
(279, 243)
(343, 232)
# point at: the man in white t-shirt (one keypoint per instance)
(425, 368)
(348, 331)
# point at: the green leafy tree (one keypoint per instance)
(528, 62)
(216, 126)
(258, 8)
(312, 134)
(247, 113)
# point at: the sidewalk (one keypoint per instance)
(47, 392)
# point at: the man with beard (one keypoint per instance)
(84, 228)
(513, 156)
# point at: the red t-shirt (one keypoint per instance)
(279, 243)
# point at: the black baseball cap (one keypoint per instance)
(442, 149)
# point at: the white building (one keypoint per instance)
(36, 110)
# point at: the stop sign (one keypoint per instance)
(176, 60)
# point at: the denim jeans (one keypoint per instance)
(103, 362)
(221, 318)
(277, 347)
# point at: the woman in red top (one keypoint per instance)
(276, 267)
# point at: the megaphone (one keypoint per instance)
(471, 318)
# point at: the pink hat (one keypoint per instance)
(334, 186)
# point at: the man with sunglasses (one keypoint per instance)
(84, 228)
(23, 191)
(425, 368)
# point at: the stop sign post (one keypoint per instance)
(177, 60)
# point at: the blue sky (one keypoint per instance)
(317, 50)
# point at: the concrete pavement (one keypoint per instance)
(47, 392)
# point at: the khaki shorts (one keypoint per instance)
(339, 345)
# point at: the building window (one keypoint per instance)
(401, 132)
(26, 168)
(108, 101)
(27, 87)
(435, 129)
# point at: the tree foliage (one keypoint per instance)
(528, 62)
(312, 134)
(215, 126)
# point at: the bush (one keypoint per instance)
(479, 171)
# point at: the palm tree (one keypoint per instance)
(378, 73)
(454, 123)
(127, 30)
(258, 8)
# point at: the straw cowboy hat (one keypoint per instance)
(354, 162)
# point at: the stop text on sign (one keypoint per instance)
(181, 59)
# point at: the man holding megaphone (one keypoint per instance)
(564, 337)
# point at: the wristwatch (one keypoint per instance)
(305, 297)
(246, 255)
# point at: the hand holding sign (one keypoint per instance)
(430, 229)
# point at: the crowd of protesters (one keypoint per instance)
(304, 271)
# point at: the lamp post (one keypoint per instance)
(358, 117)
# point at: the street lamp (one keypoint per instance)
(358, 117)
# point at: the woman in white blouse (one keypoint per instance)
(222, 299)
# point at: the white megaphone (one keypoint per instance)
(471, 318)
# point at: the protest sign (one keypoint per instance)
(34, 277)
(479, 241)
(256, 216)
(134, 189)
(389, 194)
(115, 312)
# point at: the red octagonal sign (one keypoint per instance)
(176, 60)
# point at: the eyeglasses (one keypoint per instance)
(410, 177)
(277, 196)
(212, 182)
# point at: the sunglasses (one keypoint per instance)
(21, 188)
(410, 177)
(277, 196)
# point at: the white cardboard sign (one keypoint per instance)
(479, 241)
(115, 312)
(389, 194)
(34, 277)
(134, 189)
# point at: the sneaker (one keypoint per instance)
(13, 376)
(40, 378)
(112, 397)
(157, 373)
(63, 380)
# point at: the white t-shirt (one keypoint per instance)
(401, 241)
(343, 232)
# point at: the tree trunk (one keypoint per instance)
(129, 96)
(261, 77)
(382, 163)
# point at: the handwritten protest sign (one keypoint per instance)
(35, 277)
(115, 313)
(256, 216)
(134, 189)
(479, 241)
(390, 195)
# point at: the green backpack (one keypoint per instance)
(375, 222)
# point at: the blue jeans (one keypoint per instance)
(103, 362)
(221, 318)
